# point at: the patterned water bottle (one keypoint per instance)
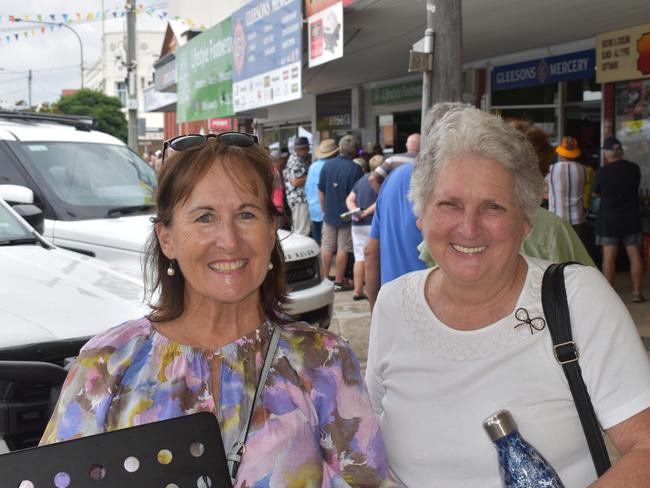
(520, 464)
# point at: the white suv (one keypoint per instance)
(97, 199)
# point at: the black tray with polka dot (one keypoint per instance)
(185, 452)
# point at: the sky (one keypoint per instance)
(54, 56)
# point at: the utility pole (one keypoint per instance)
(29, 89)
(427, 75)
(448, 53)
(442, 79)
(132, 76)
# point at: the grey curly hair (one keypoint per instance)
(469, 131)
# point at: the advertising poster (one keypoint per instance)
(204, 73)
(623, 54)
(325, 34)
(266, 53)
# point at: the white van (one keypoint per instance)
(97, 198)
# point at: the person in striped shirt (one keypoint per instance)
(565, 184)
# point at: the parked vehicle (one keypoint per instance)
(51, 302)
(97, 199)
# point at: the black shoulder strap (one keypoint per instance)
(556, 310)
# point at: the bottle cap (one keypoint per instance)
(499, 425)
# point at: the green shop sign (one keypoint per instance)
(204, 74)
(404, 92)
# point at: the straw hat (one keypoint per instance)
(326, 149)
(568, 148)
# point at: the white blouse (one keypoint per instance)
(432, 386)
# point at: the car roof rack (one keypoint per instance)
(79, 122)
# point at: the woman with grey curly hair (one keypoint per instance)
(452, 345)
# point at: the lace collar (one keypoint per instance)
(443, 342)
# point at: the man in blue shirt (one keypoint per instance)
(337, 177)
(327, 149)
(393, 245)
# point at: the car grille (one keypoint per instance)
(303, 274)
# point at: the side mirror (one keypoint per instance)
(13, 194)
(32, 214)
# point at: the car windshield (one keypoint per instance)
(91, 180)
(10, 228)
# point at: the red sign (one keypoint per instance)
(221, 125)
(643, 48)
(316, 40)
(314, 6)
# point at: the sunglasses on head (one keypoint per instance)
(189, 141)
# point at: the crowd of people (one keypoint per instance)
(454, 246)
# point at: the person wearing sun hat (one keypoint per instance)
(619, 215)
(565, 183)
(327, 149)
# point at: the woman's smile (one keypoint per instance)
(227, 266)
(468, 250)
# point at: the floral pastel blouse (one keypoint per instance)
(313, 428)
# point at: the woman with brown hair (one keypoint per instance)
(218, 282)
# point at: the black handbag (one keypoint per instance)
(556, 310)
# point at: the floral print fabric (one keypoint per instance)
(313, 427)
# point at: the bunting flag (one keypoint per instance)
(58, 20)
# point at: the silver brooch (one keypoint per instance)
(536, 323)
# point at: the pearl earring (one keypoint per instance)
(270, 266)
(171, 271)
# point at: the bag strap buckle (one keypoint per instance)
(566, 352)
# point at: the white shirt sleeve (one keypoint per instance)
(376, 388)
(614, 363)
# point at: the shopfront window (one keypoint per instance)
(545, 118)
(586, 90)
(530, 95)
(283, 136)
(385, 132)
(633, 124)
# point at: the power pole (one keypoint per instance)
(29, 89)
(427, 75)
(448, 52)
(131, 77)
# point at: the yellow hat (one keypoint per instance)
(568, 148)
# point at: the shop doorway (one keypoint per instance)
(405, 124)
(394, 129)
(583, 123)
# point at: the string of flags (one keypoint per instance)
(53, 22)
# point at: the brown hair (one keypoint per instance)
(539, 139)
(249, 167)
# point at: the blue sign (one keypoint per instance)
(574, 66)
(267, 53)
